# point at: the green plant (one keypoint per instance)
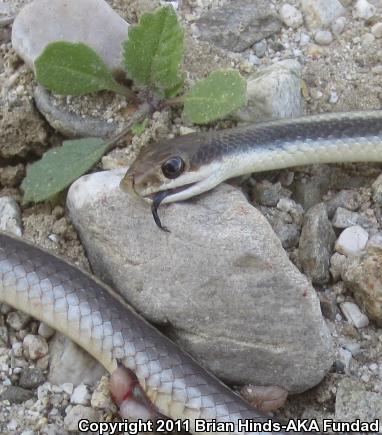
(153, 57)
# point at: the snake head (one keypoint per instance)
(182, 167)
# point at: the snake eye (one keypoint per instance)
(173, 167)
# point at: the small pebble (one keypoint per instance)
(31, 378)
(45, 330)
(363, 9)
(377, 70)
(260, 48)
(304, 39)
(321, 13)
(15, 394)
(12, 425)
(80, 395)
(36, 346)
(254, 60)
(323, 37)
(352, 241)
(291, 16)
(375, 241)
(354, 315)
(365, 378)
(338, 25)
(333, 98)
(77, 413)
(353, 347)
(376, 30)
(344, 358)
(345, 218)
(374, 368)
(10, 216)
(101, 396)
(367, 39)
(17, 349)
(18, 320)
(68, 388)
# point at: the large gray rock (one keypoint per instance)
(220, 283)
(92, 22)
(238, 24)
(274, 92)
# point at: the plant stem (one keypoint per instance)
(144, 111)
(125, 91)
(176, 101)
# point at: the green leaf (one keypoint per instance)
(138, 128)
(60, 166)
(215, 97)
(68, 68)
(154, 50)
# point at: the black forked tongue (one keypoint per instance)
(158, 198)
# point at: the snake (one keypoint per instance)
(189, 165)
(151, 375)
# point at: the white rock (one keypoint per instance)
(352, 240)
(77, 413)
(375, 242)
(80, 395)
(354, 315)
(12, 425)
(353, 347)
(321, 13)
(376, 30)
(338, 25)
(253, 59)
(198, 262)
(101, 396)
(363, 9)
(367, 40)
(345, 356)
(323, 37)
(273, 92)
(333, 99)
(338, 264)
(291, 16)
(43, 391)
(92, 22)
(10, 216)
(45, 330)
(68, 388)
(304, 39)
(36, 346)
(17, 349)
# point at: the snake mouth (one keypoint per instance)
(169, 192)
